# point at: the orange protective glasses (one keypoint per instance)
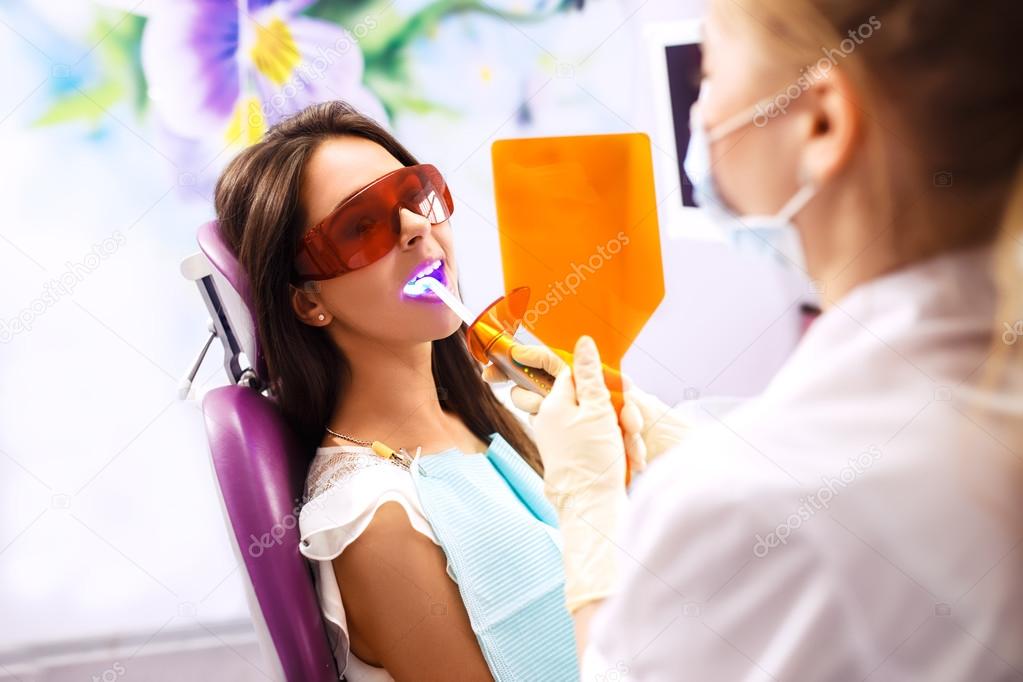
(365, 227)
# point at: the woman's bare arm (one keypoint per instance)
(404, 612)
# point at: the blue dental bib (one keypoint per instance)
(499, 532)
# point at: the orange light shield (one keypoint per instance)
(578, 225)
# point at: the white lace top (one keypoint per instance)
(344, 488)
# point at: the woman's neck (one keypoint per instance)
(392, 397)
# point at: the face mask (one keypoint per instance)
(769, 235)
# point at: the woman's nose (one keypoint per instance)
(413, 228)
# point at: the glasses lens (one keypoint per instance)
(362, 233)
(366, 227)
(430, 198)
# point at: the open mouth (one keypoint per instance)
(416, 287)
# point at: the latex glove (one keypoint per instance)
(584, 473)
(660, 427)
(539, 357)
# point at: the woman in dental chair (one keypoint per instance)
(435, 552)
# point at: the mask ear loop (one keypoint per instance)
(792, 207)
(798, 201)
(808, 188)
(734, 122)
(740, 119)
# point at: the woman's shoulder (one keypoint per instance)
(344, 488)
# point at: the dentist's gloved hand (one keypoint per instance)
(660, 427)
(651, 427)
(583, 454)
(539, 357)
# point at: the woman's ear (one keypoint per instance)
(308, 307)
(836, 118)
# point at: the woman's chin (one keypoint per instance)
(439, 324)
(453, 324)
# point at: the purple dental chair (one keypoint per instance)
(260, 473)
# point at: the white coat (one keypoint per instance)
(861, 519)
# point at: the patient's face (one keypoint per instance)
(369, 302)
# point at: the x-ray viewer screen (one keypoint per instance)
(683, 87)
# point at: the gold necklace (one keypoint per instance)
(401, 457)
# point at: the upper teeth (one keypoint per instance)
(428, 270)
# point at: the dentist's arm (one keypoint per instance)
(584, 458)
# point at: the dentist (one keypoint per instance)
(862, 518)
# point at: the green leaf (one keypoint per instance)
(384, 38)
(345, 12)
(82, 105)
(118, 39)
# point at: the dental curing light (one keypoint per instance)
(491, 336)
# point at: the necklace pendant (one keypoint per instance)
(402, 458)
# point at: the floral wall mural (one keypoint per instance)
(212, 75)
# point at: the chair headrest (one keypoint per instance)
(232, 287)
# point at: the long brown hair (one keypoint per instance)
(261, 218)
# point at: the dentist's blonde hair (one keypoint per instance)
(946, 73)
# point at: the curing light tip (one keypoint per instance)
(423, 285)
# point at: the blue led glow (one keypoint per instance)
(417, 287)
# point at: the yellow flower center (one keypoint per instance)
(247, 122)
(274, 52)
